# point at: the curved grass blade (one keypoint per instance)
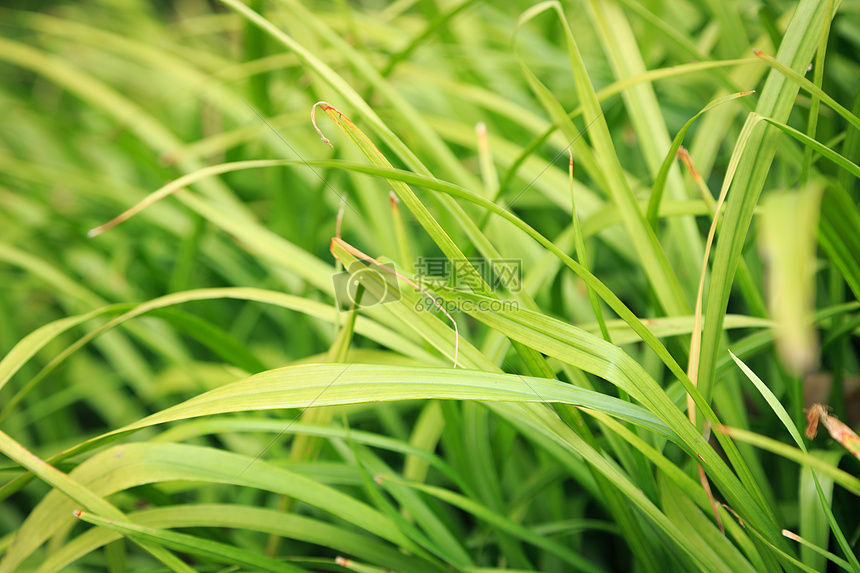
(222, 552)
(135, 464)
(809, 86)
(74, 492)
(38, 339)
(846, 480)
(784, 417)
(660, 181)
(828, 153)
(247, 518)
(653, 259)
(41, 338)
(776, 100)
(465, 268)
(823, 552)
(573, 559)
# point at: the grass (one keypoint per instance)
(612, 376)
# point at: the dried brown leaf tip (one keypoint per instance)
(837, 429)
(813, 415)
(733, 512)
(325, 106)
(684, 156)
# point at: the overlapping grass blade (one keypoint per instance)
(190, 544)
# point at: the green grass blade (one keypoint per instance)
(77, 493)
(660, 180)
(648, 249)
(190, 544)
(784, 417)
(776, 101)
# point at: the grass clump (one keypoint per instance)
(494, 326)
